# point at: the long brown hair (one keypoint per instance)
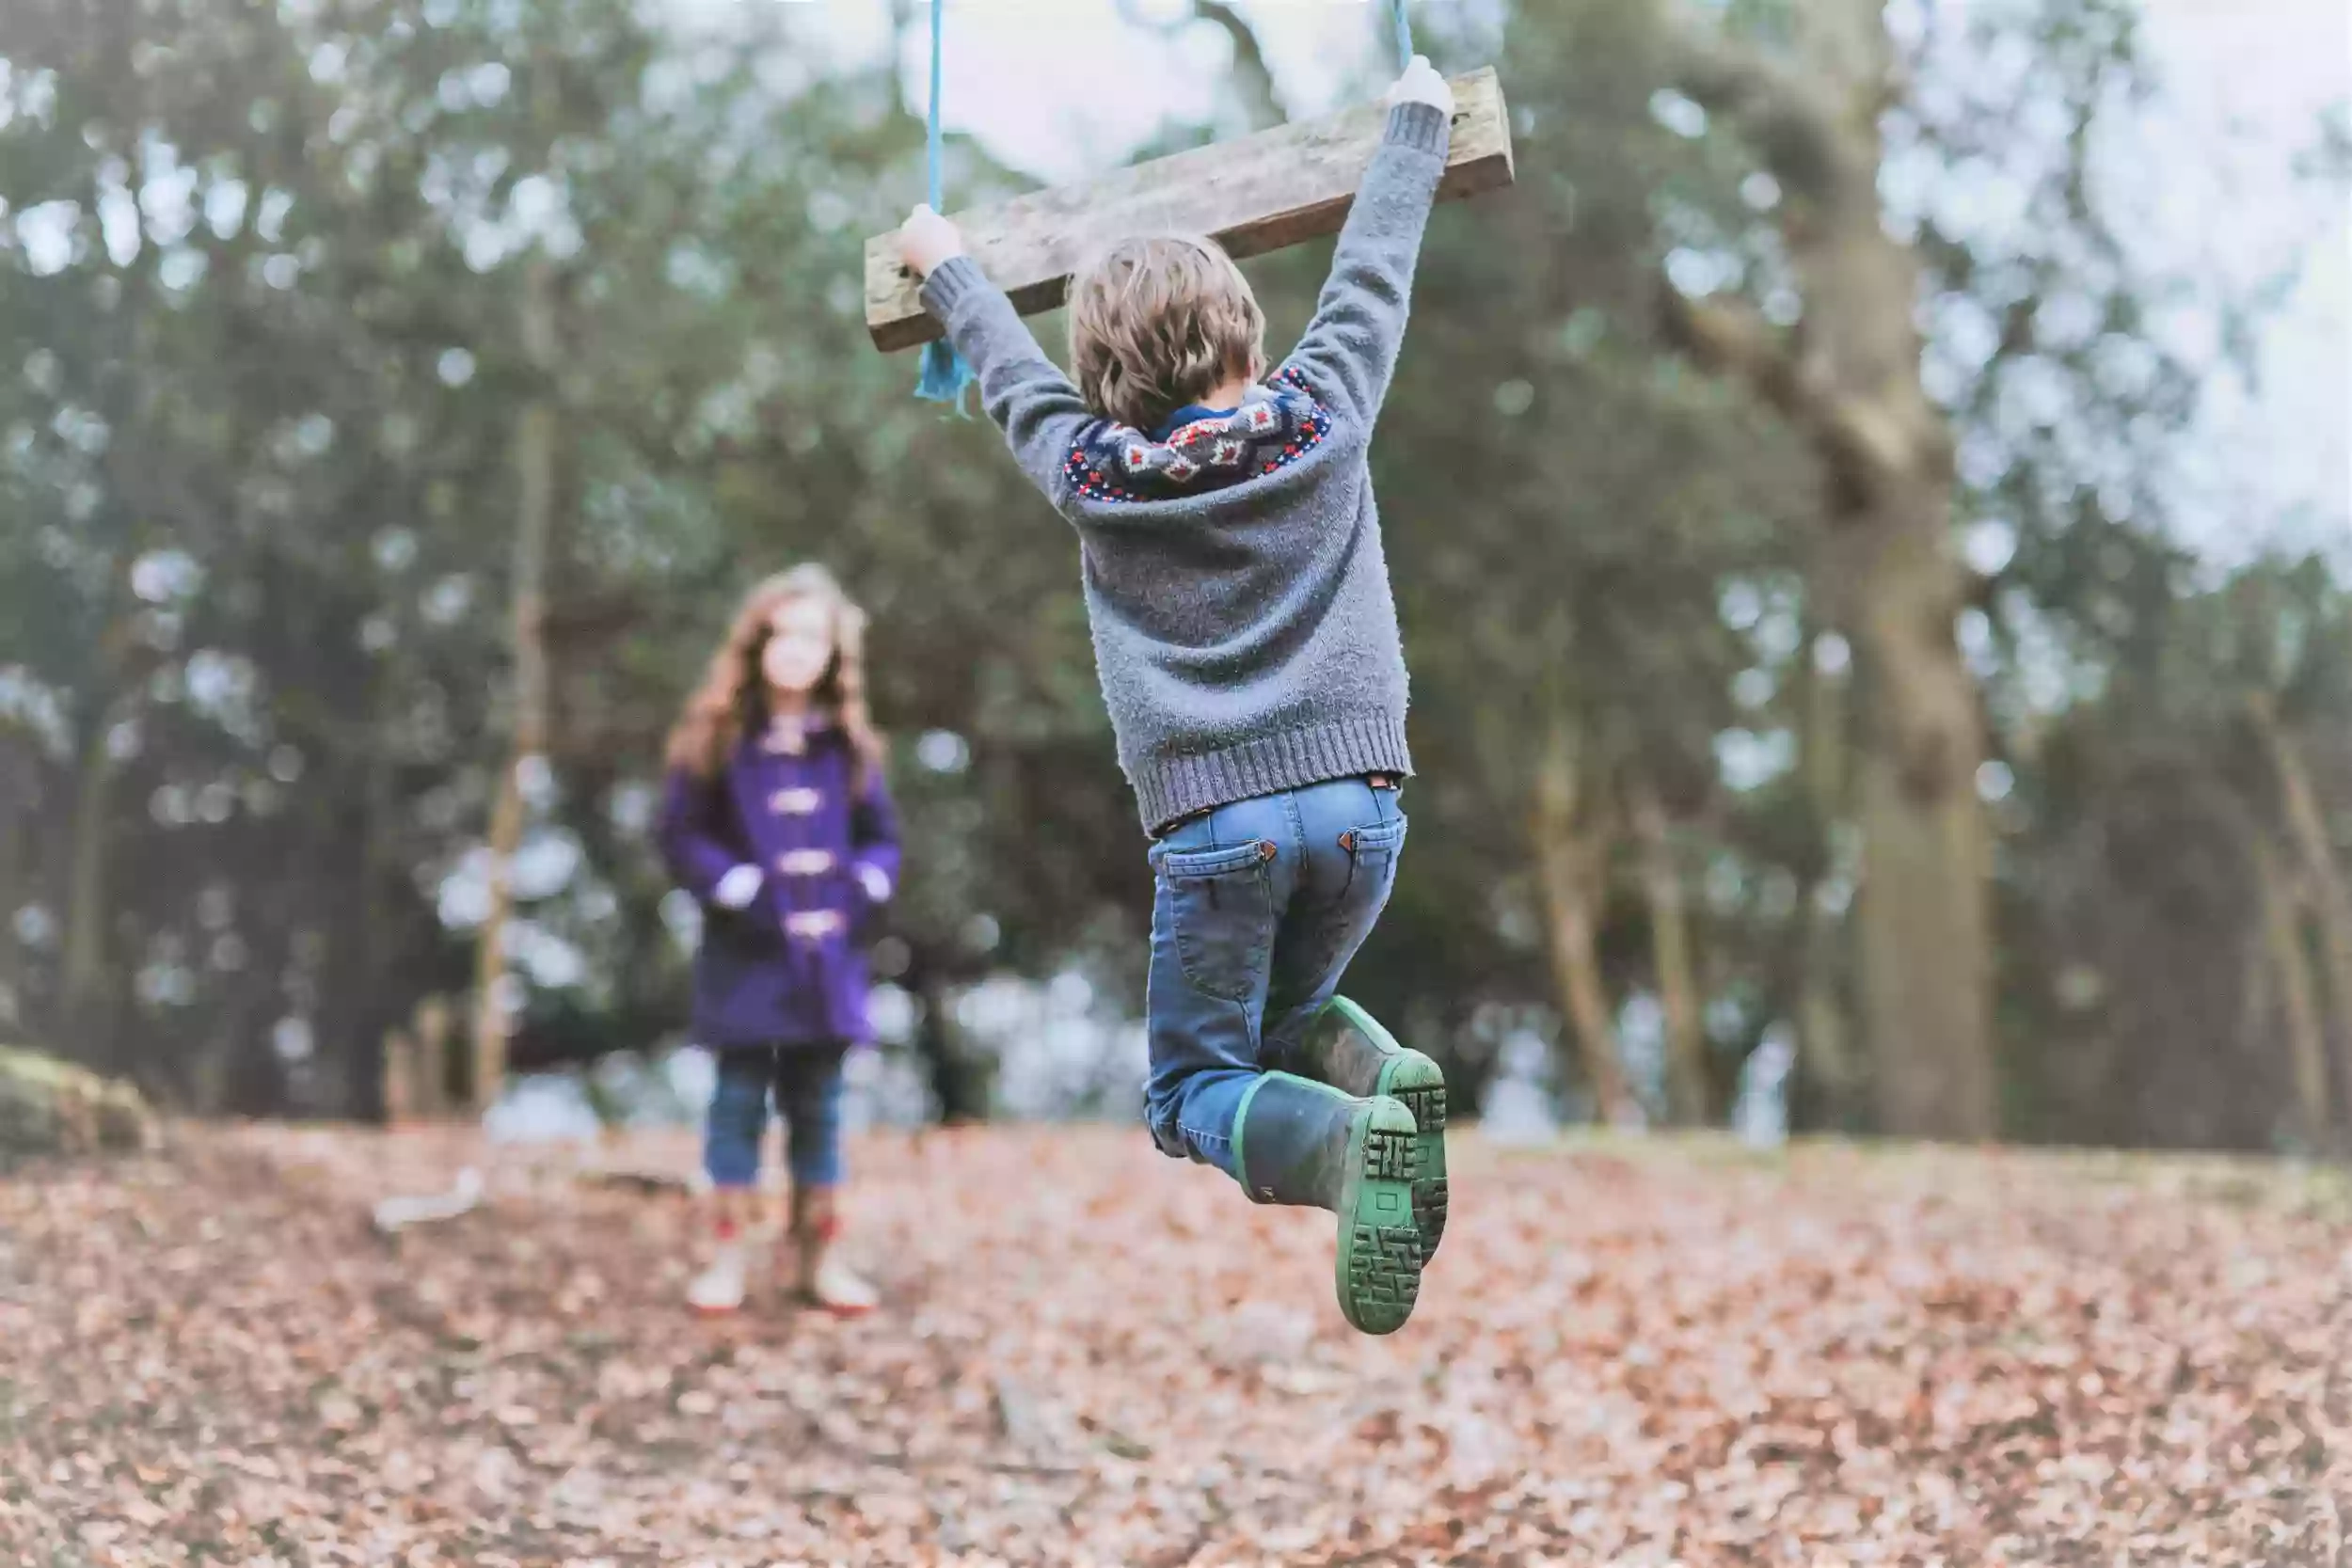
(733, 696)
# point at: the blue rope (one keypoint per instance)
(1404, 34)
(945, 374)
(937, 142)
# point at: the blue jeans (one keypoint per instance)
(806, 1080)
(1260, 905)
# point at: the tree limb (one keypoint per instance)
(1865, 447)
(1731, 337)
(1791, 121)
(1254, 81)
(1260, 100)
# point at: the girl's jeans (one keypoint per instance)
(1260, 905)
(806, 1080)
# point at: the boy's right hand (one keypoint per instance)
(927, 242)
(1421, 83)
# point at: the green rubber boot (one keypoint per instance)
(1359, 1056)
(1309, 1145)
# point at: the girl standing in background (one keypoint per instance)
(775, 817)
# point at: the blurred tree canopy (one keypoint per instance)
(1808, 687)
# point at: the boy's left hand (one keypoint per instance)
(927, 242)
(1421, 83)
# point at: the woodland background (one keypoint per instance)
(1814, 690)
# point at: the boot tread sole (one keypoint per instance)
(1415, 1080)
(1380, 1252)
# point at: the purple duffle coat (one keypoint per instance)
(791, 967)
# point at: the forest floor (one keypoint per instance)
(1628, 1353)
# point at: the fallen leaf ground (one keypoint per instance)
(1625, 1354)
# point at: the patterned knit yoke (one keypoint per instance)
(1275, 425)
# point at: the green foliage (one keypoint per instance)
(265, 264)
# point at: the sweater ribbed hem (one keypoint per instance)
(955, 278)
(1167, 788)
(1424, 127)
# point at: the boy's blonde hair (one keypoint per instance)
(1158, 322)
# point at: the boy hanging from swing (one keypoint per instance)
(1248, 645)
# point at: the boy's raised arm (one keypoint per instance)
(1022, 390)
(1349, 351)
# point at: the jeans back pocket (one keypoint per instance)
(1372, 853)
(1221, 909)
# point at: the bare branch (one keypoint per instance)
(1731, 337)
(1253, 81)
(1864, 446)
(1791, 119)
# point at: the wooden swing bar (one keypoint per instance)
(1253, 195)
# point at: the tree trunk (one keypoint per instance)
(959, 1084)
(1850, 381)
(1688, 1100)
(1570, 851)
(88, 993)
(434, 1028)
(397, 1094)
(2323, 879)
(2287, 963)
(1824, 1040)
(535, 464)
(492, 1021)
(20, 798)
(1926, 933)
(348, 1017)
(386, 999)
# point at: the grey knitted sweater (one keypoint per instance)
(1244, 628)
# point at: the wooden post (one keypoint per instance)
(1253, 195)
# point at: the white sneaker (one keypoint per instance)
(719, 1289)
(837, 1289)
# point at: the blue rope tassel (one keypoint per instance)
(1404, 34)
(945, 374)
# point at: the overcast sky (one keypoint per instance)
(2247, 81)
